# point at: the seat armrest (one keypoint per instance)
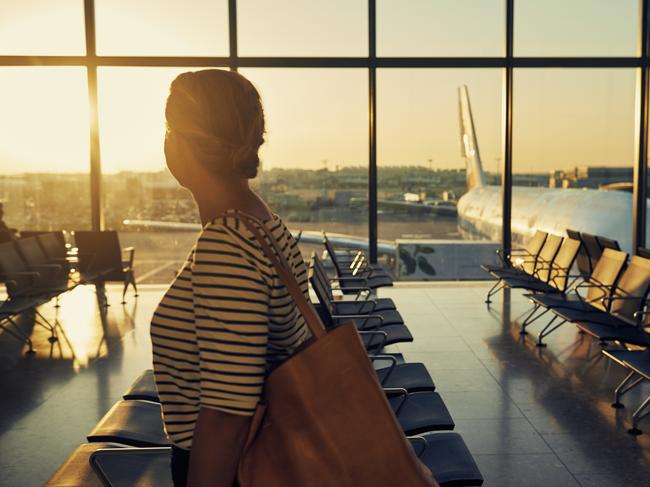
(365, 317)
(382, 334)
(390, 358)
(398, 391)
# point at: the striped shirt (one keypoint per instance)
(226, 320)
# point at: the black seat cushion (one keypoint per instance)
(361, 307)
(76, 470)
(413, 377)
(606, 333)
(144, 388)
(449, 459)
(396, 334)
(636, 360)
(133, 423)
(141, 467)
(422, 411)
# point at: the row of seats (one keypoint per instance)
(129, 447)
(40, 267)
(606, 298)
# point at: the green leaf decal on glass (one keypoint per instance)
(424, 249)
(425, 267)
(407, 261)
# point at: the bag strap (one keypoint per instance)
(285, 273)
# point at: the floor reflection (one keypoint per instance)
(530, 416)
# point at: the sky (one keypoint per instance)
(319, 117)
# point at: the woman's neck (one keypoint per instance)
(215, 197)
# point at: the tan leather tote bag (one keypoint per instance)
(325, 420)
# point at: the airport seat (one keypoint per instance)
(620, 316)
(357, 272)
(133, 467)
(374, 334)
(414, 377)
(445, 454)
(139, 423)
(133, 423)
(638, 363)
(607, 243)
(53, 244)
(13, 307)
(541, 264)
(27, 287)
(583, 262)
(593, 247)
(52, 277)
(627, 334)
(363, 302)
(448, 458)
(100, 259)
(601, 284)
(77, 471)
(520, 258)
(20, 278)
(419, 412)
(58, 234)
(323, 291)
(143, 388)
(553, 277)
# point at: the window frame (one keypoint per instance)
(507, 63)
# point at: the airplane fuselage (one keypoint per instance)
(553, 210)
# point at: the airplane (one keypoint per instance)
(552, 210)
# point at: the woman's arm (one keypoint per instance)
(216, 447)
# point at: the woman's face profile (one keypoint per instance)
(177, 167)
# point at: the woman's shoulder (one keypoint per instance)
(230, 230)
(233, 222)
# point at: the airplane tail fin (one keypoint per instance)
(468, 142)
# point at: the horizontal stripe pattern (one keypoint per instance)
(225, 321)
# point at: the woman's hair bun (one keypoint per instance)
(219, 113)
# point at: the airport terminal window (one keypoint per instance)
(55, 27)
(440, 28)
(289, 28)
(141, 197)
(44, 154)
(422, 173)
(576, 28)
(315, 159)
(162, 27)
(573, 151)
(573, 128)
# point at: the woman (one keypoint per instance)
(227, 319)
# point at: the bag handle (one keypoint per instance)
(278, 260)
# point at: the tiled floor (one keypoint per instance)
(531, 417)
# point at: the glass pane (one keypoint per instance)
(440, 28)
(290, 28)
(315, 160)
(162, 27)
(573, 152)
(55, 27)
(576, 28)
(141, 198)
(44, 155)
(426, 199)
